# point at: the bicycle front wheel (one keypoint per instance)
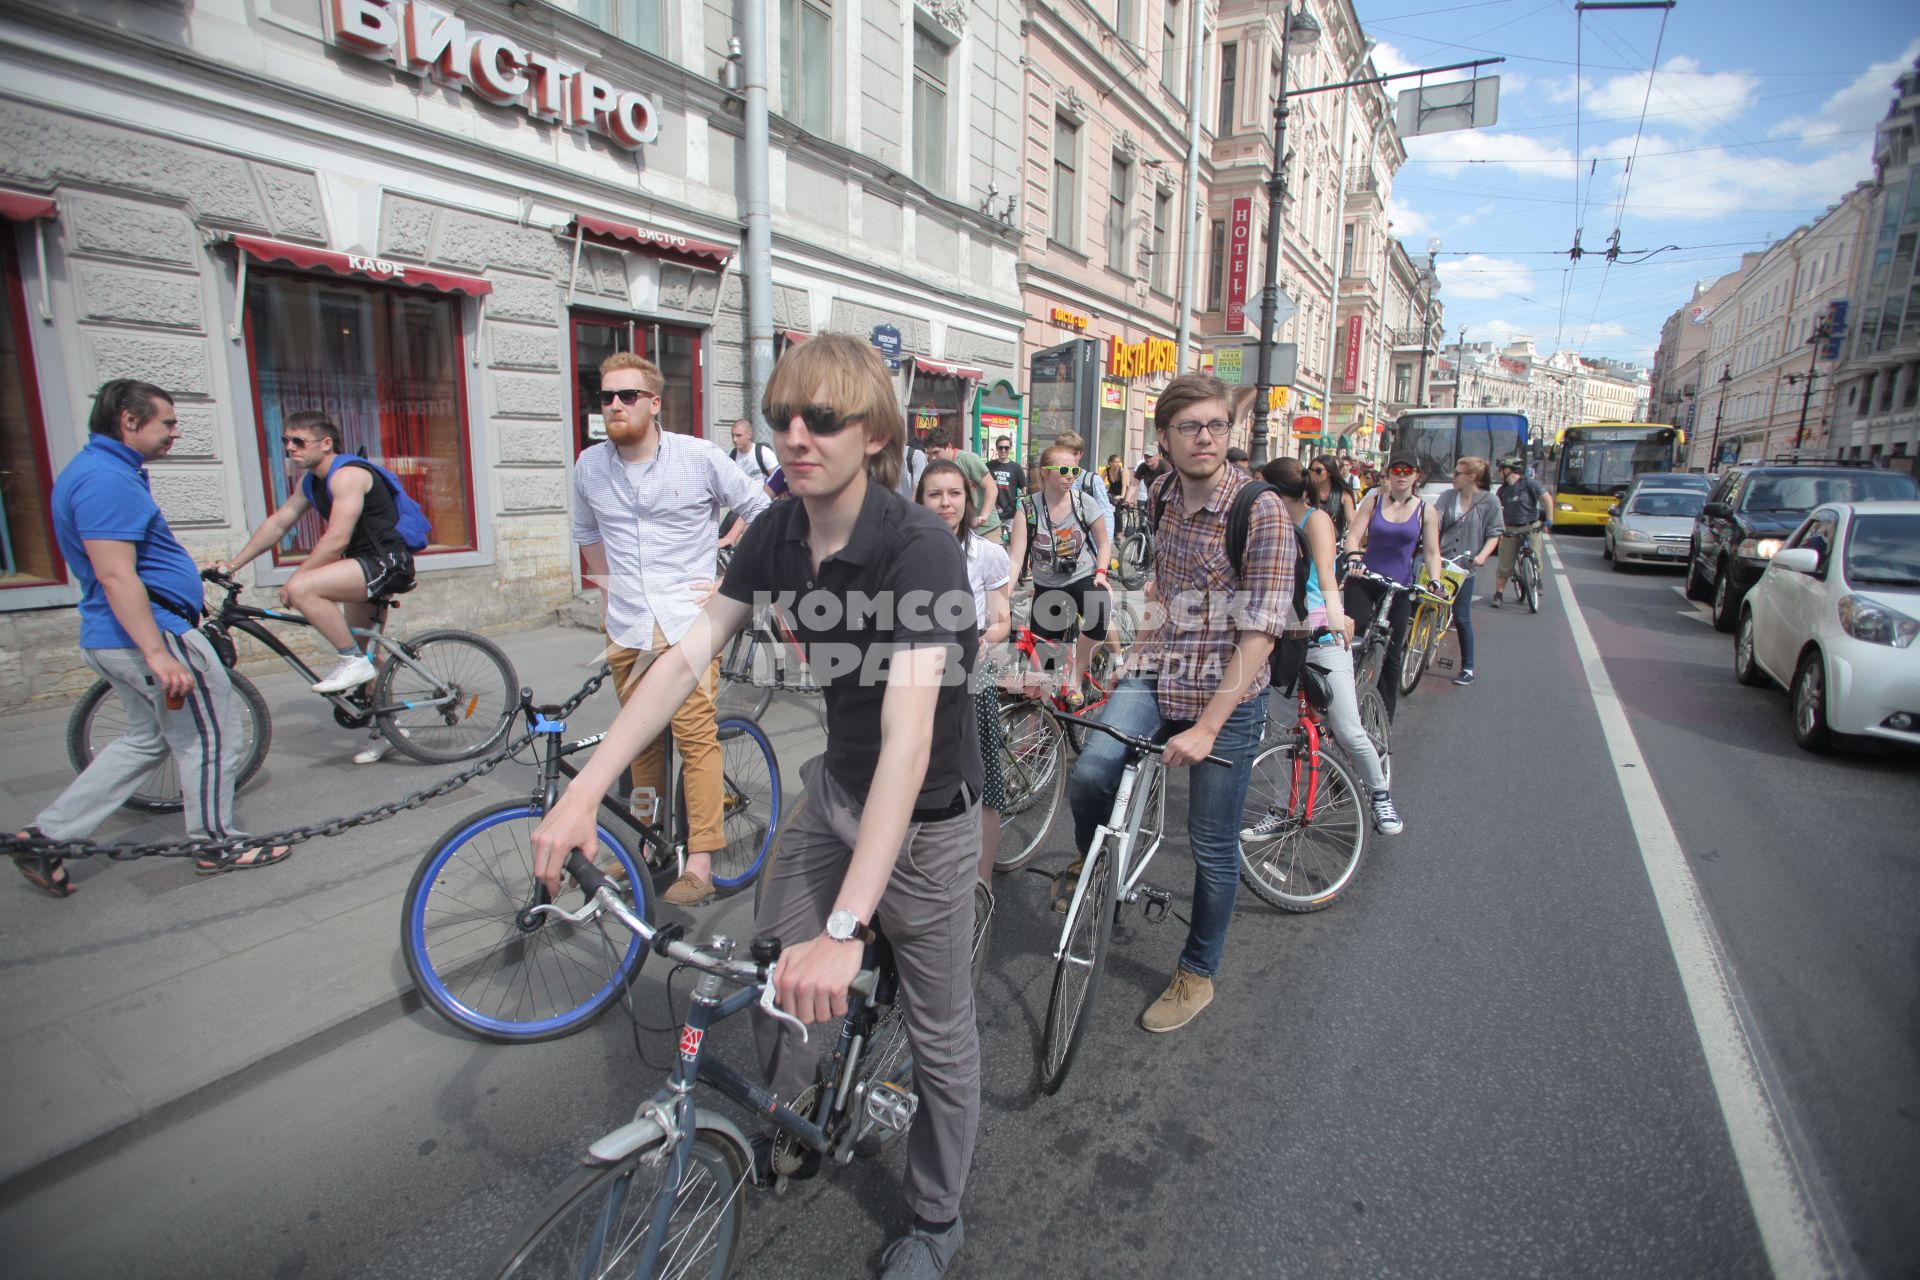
(1076, 974)
(599, 1221)
(1033, 770)
(1532, 587)
(1136, 556)
(99, 720)
(450, 698)
(750, 796)
(1421, 637)
(487, 965)
(1303, 831)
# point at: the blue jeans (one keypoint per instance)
(1463, 622)
(1215, 797)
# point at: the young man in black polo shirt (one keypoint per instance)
(889, 831)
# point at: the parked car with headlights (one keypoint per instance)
(1835, 618)
(1650, 526)
(1753, 508)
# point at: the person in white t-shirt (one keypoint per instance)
(945, 489)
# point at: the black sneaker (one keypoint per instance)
(1495, 602)
(1465, 676)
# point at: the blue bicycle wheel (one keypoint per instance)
(752, 803)
(487, 965)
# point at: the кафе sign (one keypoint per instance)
(427, 41)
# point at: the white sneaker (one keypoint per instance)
(348, 673)
(373, 754)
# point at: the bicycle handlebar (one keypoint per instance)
(604, 897)
(1361, 571)
(1138, 744)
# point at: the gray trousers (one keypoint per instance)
(927, 914)
(204, 737)
(1343, 712)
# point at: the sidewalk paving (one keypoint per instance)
(152, 984)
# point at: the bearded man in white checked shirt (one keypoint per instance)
(645, 513)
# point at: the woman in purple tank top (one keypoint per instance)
(1390, 527)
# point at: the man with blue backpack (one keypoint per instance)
(373, 529)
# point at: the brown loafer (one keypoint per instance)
(688, 891)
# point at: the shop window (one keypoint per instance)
(28, 555)
(386, 365)
(938, 400)
(806, 63)
(929, 110)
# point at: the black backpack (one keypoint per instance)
(1289, 653)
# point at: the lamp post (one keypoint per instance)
(1719, 410)
(1430, 278)
(1297, 31)
(1819, 336)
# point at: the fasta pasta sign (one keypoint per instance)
(424, 40)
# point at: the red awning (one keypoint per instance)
(795, 337)
(667, 242)
(942, 369)
(353, 264)
(17, 206)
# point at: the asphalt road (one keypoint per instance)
(1480, 1063)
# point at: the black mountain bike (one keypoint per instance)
(438, 697)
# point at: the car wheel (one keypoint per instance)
(1724, 599)
(1809, 700)
(1745, 669)
(1698, 588)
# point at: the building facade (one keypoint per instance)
(1876, 410)
(435, 222)
(1683, 382)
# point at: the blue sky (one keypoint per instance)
(1757, 120)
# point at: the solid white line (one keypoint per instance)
(1783, 1206)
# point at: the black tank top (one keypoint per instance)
(374, 533)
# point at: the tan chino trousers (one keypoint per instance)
(695, 736)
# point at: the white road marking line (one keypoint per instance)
(1696, 615)
(1783, 1204)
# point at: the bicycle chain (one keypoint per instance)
(226, 849)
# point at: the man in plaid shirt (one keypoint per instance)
(1199, 675)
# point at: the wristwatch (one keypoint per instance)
(844, 926)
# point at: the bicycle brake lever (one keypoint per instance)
(588, 911)
(768, 1007)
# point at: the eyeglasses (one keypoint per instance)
(1218, 427)
(298, 442)
(1403, 471)
(821, 420)
(1318, 471)
(628, 396)
(1065, 470)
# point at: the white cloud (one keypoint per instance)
(1861, 105)
(1407, 222)
(1712, 182)
(1477, 277)
(1682, 95)
(1388, 60)
(1448, 154)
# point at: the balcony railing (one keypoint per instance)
(1361, 180)
(1410, 337)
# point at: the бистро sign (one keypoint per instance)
(423, 40)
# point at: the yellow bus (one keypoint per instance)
(1598, 460)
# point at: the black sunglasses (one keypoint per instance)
(628, 396)
(821, 420)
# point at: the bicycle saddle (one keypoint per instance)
(1314, 683)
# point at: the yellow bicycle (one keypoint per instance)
(1431, 618)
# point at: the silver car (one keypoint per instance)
(1652, 528)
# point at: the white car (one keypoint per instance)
(1836, 619)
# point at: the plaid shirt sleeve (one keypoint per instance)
(1267, 581)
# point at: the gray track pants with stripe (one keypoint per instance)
(204, 737)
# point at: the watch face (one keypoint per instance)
(841, 924)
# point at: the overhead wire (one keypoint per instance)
(1626, 178)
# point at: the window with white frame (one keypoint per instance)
(929, 110)
(1119, 197)
(1126, 18)
(1173, 62)
(806, 63)
(1217, 264)
(635, 21)
(1066, 181)
(1229, 80)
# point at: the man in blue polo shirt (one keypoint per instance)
(140, 595)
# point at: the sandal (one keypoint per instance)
(45, 870)
(258, 856)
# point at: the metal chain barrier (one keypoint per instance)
(43, 846)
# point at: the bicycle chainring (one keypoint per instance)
(787, 1151)
(346, 721)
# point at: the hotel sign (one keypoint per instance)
(1239, 259)
(424, 40)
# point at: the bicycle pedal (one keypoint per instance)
(1154, 903)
